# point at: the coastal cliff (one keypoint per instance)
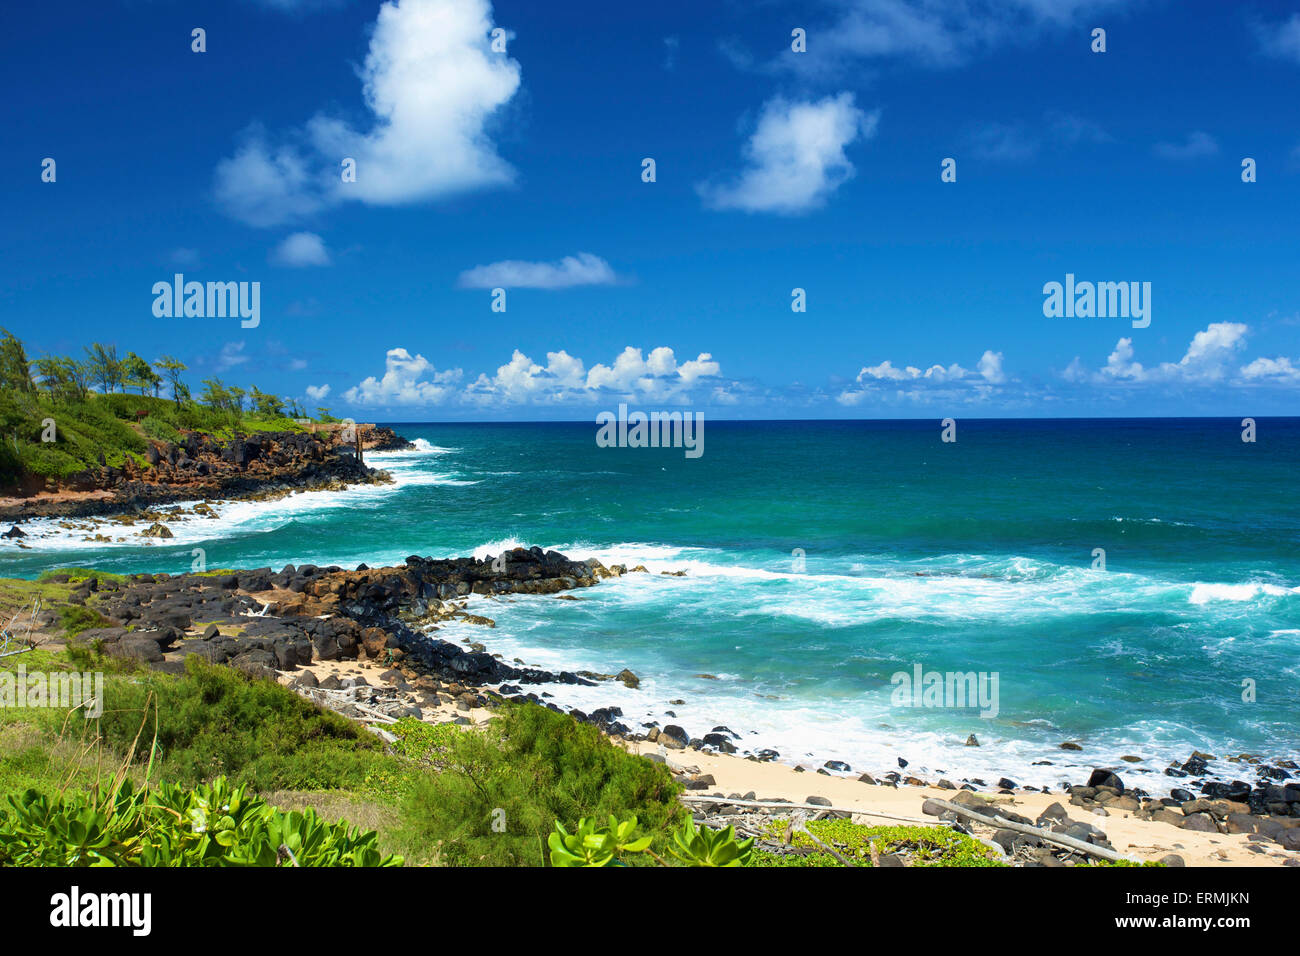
(201, 466)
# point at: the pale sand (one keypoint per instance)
(1141, 839)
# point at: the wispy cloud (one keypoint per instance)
(1002, 142)
(1196, 145)
(672, 45)
(231, 354)
(582, 269)
(930, 33)
(1282, 39)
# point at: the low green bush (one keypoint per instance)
(210, 825)
(499, 790)
(924, 846)
(216, 721)
(618, 843)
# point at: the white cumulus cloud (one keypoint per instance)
(407, 380)
(432, 85)
(1211, 358)
(795, 158)
(301, 249)
(939, 382)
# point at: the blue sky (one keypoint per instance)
(775, 170)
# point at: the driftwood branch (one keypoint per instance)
(692, 798)
(800, 825)
(1045, 835)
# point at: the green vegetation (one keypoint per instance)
(615, 844)
(211, 825)
(61, 415)
(217, 722)
(498, 792)
(592, 845)
(432, 797)
(924, 846)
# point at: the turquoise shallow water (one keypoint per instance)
(825, 557)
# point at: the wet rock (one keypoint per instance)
(673, 737)
(1105, 778)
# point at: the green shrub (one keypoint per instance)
(216, 721)
(159, 428)
(925, 846)
(527, 769)
(613, 845)
(212, 825)
(77, 618)
(48, 461)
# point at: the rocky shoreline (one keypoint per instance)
(204, 468)
(272, 624)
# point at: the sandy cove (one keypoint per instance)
(734, 775)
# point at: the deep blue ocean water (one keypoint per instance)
(825, 557)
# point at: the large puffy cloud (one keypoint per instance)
(582, 269)
(431, 83)
(522, 381)
(795, 158)
(408, 380)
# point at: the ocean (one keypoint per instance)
(825, 558)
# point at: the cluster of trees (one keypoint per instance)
(66, 378)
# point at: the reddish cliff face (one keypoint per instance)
(203, 467)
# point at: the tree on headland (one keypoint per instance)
(266, 404)
(136, 371)
(105, 366)
(215, 394)
(15, 370)
(171, 369)
(58, 376)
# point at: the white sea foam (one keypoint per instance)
(1205, 593)
(867, 732)
(233, 517)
